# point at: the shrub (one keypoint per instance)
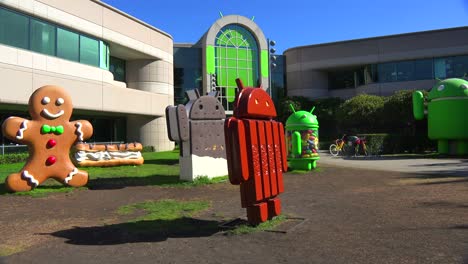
(14, 158)
(363, 112)
(374, 143)
(148, 149)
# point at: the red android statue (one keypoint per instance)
(256, 153)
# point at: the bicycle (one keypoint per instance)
(348, 145)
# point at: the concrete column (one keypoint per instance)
(155, 76)
(149, 131)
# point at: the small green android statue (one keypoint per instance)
(302, 140)
(447, 115)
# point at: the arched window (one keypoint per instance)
(236, 56)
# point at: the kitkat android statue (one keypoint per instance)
(302, 140)
(447, 114)
(256, 153)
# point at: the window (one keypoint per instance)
(423, 70)
(117, 67)
(14, 29)
(387, 72)
(236, 56)
(405, 71)
(42, 37)
(341, 79)
(89, 51)
(67, 45)
(22, 31)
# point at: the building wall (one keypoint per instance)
(307, 66)
(147, 50)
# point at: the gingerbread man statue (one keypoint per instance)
(256, 153)
(49, 136)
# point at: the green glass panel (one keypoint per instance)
(264, 60)
(231, 63)
(243, 64)
(67, 44)
(231, 94)
(89, 51)
(231, 53)
(14, 29)
(42, 37)
(242, 54)
(103, 55)
(210, 62)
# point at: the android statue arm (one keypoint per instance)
(296, 144)
(178, 127)
(418, 105)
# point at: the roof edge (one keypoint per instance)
(131, 17)
(375, 38)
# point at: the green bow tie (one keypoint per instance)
(52, 129)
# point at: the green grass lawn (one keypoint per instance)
(159, 169)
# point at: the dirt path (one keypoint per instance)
(353, 216)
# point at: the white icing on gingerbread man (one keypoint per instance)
(49, 136)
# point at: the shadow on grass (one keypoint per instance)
(439, 177)
(139, 231)
(162, 161)
(445, 204)
(122, 182)
(400, 156)
(41, 191)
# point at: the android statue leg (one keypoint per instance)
(274, 207)
(257, 213)
(443, 146)
(314, 164)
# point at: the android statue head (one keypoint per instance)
(257, 105)
(302, 119)
(302, 139)
(447, 108)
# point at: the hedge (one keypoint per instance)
(14, 158)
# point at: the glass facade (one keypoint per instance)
(42, 37)
(14, 29)
(187, 72)
(26, 32)
(236, 56)
(89, 51)
(399, 71)
(278, 77)
(67, 45)
(117, 67)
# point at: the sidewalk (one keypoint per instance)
(450, 167)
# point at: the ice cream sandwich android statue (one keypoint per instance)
(256, 153)
(198, 127)
(49, 136)
(447, 115)
(302, 140)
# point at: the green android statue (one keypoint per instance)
(447, 114)
(302, 140)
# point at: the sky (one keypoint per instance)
(293, 23)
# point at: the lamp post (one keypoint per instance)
(271, 63)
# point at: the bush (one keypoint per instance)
(299, 103)
(14, 158)
(396, 143)
(363, 112)
(148, 149)
(374, 143)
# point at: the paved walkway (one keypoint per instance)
(452, 166)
